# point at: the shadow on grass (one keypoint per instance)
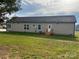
(58, 37)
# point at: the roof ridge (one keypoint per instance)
(49, 16)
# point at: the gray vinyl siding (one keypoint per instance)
(64, 28)
(57, 28)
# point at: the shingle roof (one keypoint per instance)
(43, 19)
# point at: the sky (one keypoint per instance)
(49, 8)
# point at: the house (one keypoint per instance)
(63, 25)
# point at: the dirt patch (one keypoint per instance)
(7, 52)
(4, 52)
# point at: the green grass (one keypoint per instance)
(39, 46)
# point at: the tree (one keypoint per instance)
(8, 7)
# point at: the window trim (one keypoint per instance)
(33, 25)
(27, 27)
(39, 27)
(49, 26)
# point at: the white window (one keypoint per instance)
(49, 28)
(33, 25)
(26, 27)
(49, 25)
(39, 27)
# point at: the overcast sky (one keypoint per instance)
(49, 7)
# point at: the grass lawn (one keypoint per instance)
(17, 45)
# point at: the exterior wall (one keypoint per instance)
(20, 27)
(64, 28)
(57, 28)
